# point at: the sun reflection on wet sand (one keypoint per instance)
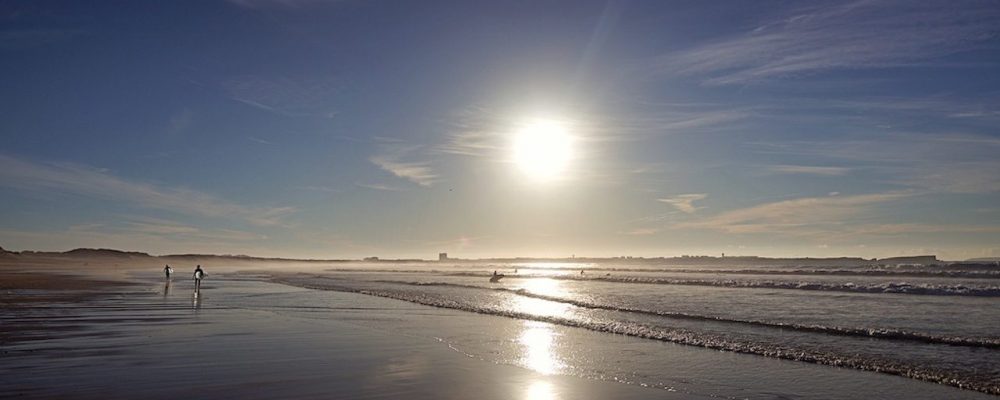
(537, 339)
(540, 390)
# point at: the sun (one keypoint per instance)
(543, 149)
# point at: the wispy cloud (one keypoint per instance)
(860, 34)
(953, 162)
(259, 140)
(475, 131)
(470, 143)
(797, 216)
(379, 186)
(285, 96)
(685, 202)
(149, 237)
(397, 159)
(641, 232)
(808, 170)
(325, 189)
(77, 179)
(898, 229)
(167, 229)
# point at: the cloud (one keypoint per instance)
(391, 159)
(325, 189)
(896, 229)
(860, 34)
(685, 202)
(147, 238)
(948, 163)
(641, 232)
(87, 181)
(797, 216)
(669, 120)
(808, 170)
(471, 143)
(378, 186)
(285, 96)
(165, 229)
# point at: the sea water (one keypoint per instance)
(934, 324)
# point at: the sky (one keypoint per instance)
(347, 129)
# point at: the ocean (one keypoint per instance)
(935, 324)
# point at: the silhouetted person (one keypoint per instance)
(199, 274)
(167, 271)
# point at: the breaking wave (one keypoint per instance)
(973, 380)
(878, 333)
(930, 289)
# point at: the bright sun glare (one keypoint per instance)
(543, 148)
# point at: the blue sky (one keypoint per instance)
(310, 128)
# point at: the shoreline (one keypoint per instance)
(121, 309)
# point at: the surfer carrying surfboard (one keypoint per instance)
(199, 274)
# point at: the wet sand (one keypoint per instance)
(78, 337)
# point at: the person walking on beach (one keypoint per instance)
(199, 274)
(167, 270)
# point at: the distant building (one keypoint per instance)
(442, 256)
(371, 258)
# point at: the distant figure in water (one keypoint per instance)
(496, 277)
(515, 270)
(167, 270)
(581, 272)
(199, 274)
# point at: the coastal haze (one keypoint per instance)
(500, 200)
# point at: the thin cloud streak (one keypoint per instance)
(810, 215)
(378, 186)
(808, 170)
(861, 34)
(946, 163)
(87, 181)
(685, 202)
(284, 96)
(392, 159)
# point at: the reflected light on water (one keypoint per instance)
(548, 287)
(540, 307)
(540, 390)
(537, 339)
